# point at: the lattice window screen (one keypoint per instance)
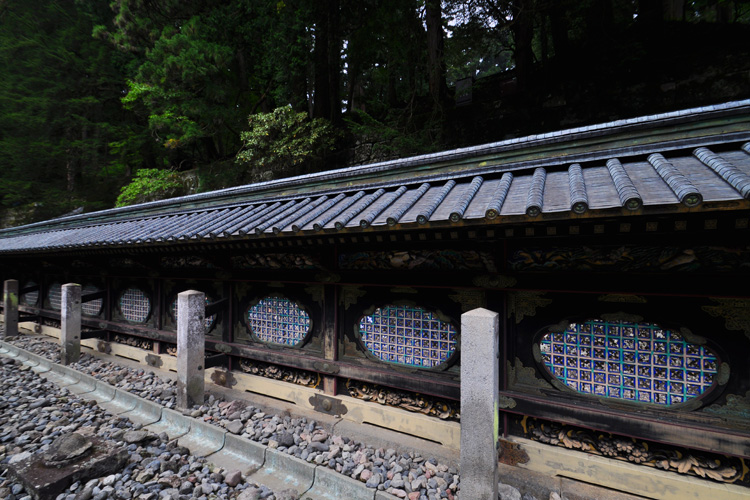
(30, 298)
(632, 361)
(54, 294)
(408, 336)
(93, 308)
(135, 305)
(278, 321)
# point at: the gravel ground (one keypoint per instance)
(34, 412)
(160, 469)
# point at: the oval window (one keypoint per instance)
(54, 295)
(93, 307)
(135, 305)
(639, 362)
(277, 320)
(208, 322)
(409, 336)
(30, 298)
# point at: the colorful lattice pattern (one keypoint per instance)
(278, 321)
(135, 305)
(208, 322)
(408, 336)
(94, 307)
(632, 361)
(54, 294)
(30, 298)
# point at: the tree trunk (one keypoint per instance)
(523, 33)
(673, 10)
(434, 22)
(327, 58)
(321, 103)
(334, 61)
(70, 173)
(559, 29)
(725, 12)
(650, 12)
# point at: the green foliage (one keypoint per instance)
(203, 67)
(396, 136)
(284, 139)
(59, 107)
(151, 184)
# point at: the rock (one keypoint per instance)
(19, 457)
(286, 439)
(67, 448)
(233, 478)
(251, 493)
(318, 446)
(319, 436)
(333, 452)
(507, 492)
(86, 494)
(145, 476)
(235, 426)
(132, 437)
(554, 496)
(374, 481)
(235, 406)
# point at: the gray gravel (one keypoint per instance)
(34, 412)
(162, 470)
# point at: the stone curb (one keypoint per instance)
(122, 402)
(144, 413)
(203, 439)
(172, 422)
(273, 468)
(86, 384)
(103, 393)
(281, 471)
(61, 375)
(241, 454)
(330, 485)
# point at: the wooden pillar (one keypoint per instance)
(330, 338)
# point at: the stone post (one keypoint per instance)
(191, 336)
(479, 411)
(70, 324)
(10, 308)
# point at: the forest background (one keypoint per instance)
(146, 99)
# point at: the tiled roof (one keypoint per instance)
(706, 172)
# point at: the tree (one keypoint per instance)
(151, 184)
(59, 107)
(435, 56)
(283, 141)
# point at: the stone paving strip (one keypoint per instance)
(294, 457)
